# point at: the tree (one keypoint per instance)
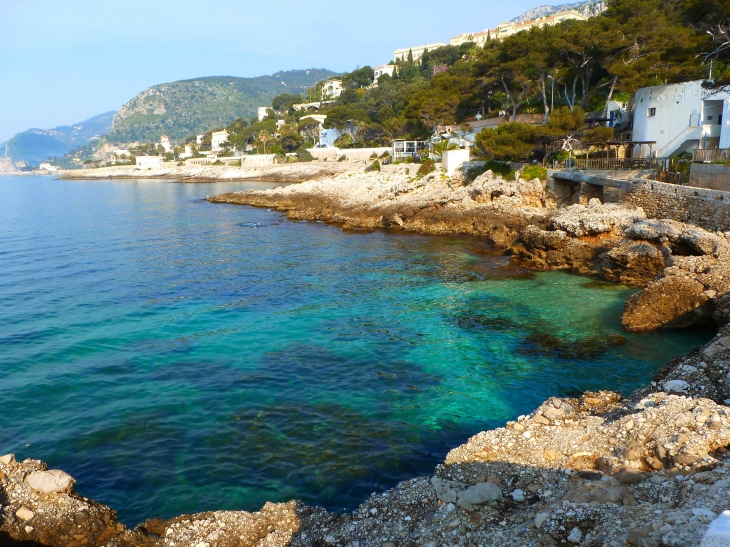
(507, 142)
(285, 102)
(444, 145)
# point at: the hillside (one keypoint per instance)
(36, 145)
(187, 107)
(589, 8)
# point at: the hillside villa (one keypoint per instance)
(508, 29)
(416, 51)
(681, 117)
(217, 139)
(332, 89)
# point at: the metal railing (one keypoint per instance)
(607, 164)
(711, 155)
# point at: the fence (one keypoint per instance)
(711, 155)
(607, 164)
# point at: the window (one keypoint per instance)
(652, 112)
(710, 118)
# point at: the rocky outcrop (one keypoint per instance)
(490, 206)
(652, 469)
(685, 269)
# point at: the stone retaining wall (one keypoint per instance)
(709, 209)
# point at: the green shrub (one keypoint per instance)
(384, 155)
(304, 154)
(427, 166)
(373, 156)
(342, 158)
(534, 172)
(375, 166)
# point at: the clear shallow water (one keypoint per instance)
(177, 356)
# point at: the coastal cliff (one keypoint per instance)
(652, 469)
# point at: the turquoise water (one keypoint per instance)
(177, 356)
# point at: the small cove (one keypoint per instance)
(177, 356)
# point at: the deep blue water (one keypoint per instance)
(178, 356)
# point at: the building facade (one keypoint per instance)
(165, 143)
(217, 139)
(331, 89)
(508, 29)
(417, 51)
(263, 112)
(681, 117)
(382, 70)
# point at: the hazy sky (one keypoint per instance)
(63, 61)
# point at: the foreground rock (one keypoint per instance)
(600, 470)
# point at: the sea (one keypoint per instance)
(177, 356)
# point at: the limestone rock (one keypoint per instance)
(667, 303)
(49, 482)
(24, 514)
(482, 492)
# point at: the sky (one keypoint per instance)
(64, 61)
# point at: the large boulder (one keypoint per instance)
(670, 302)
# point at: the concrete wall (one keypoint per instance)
(453, 159)
(258, 160)
(352, 154)
(710, 175)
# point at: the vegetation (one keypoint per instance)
(427, 167)
(579, 66)
(534, 172)
(188, 107)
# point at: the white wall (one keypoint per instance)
(453, 159)
(148, 162)
(679, 117)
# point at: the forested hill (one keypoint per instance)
(187, 107)
(36, 145)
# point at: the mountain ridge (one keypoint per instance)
(186, 107)
(35, 145)
(589, 8)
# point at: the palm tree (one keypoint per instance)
(444, 145)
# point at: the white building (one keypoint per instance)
(217, 139)
(384, 69)
(332, 89)
(417, 51)
(681, 117)
(508, 29)
(48, 167)
(188, 152)
(263, 112)
(199, 139)
(148, 162)
(165, 143)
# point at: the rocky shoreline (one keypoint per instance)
(287, 173)
(648, 470)
(683, 269)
